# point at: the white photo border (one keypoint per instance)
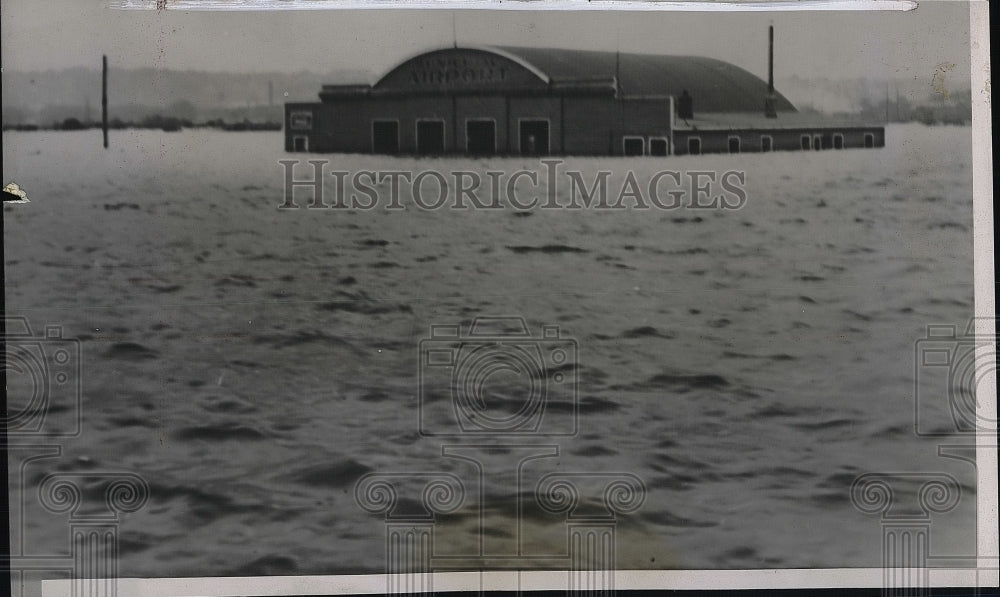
(988, 544)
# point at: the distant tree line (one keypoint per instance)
(954, 109)
(175, 116)
(155, 121)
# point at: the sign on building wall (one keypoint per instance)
(461, 70)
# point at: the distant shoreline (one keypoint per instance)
(274, 127)
(169, 125)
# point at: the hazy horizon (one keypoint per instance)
(41, 97)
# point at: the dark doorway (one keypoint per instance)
(385, 136)
(633, 146)
(658, 147)
(838, 141)
(300, 144)
(430, 137)
(534, 137)
(481, 137)
(685, 106)
(869, 140)
(694, 145)
(734, 145)
(766, 144)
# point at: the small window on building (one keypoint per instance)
(658, 147)
(300, 143)
(817, 142)
(806, 142)
(634, 146)
(766, 143)
(869, 140)
(300, 121)
(734, 145)
(694, 145)
(838, 141)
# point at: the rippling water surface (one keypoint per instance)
(252, 364)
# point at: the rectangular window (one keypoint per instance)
(694, 145)
(806, 142)
(838, 141)
(633, 146)
(869, 140)
(300, 121)
(766, 143)
(734, 145)
(658, 147)
(430, 137)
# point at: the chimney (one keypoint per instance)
(770, 110)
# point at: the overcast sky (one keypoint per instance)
(54, 34)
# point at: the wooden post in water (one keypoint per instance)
(104, 98)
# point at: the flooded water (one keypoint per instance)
(253, 363)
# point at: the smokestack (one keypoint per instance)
(770, 59)
(770, 109)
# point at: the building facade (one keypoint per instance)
(537, 101)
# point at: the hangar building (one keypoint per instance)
(541, 101)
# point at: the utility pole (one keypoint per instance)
(887, 100)
(104, 98)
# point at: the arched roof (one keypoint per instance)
(714, 85)
(495, 50)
